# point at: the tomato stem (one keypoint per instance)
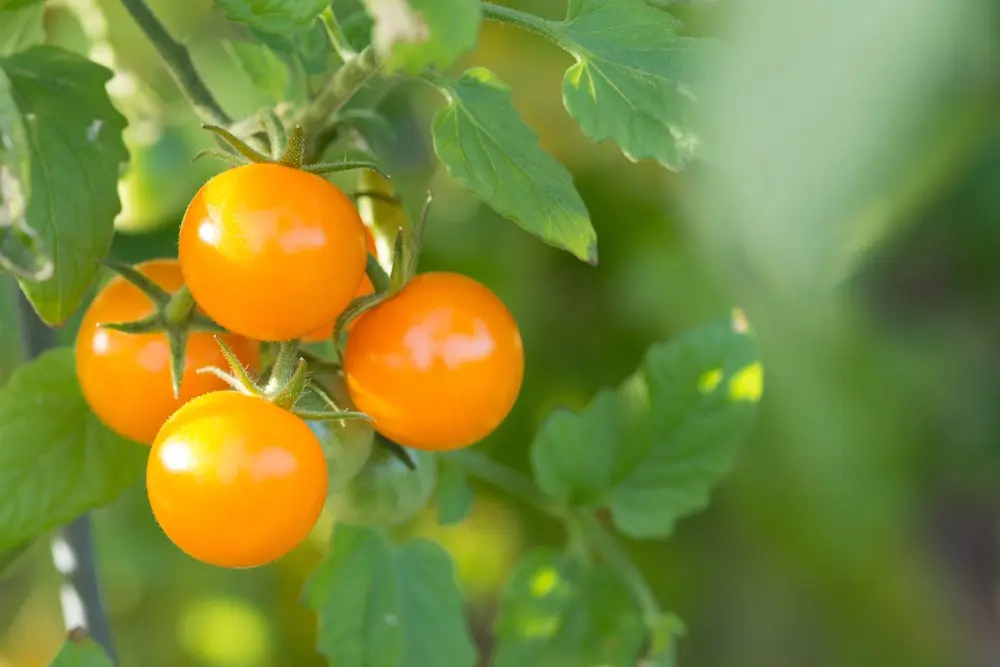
(294, 148)
(180, 307)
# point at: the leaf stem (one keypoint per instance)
(72, 545)
(505, 478)
(342, 86)
(336, 35)
(179, 63)
(523, 20)
(614, 555)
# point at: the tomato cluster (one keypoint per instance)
(237, 476)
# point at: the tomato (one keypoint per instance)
(325, 332)
(272, 252)
(347, 446)
(126, 377)
(236, 481)
(386, 492)
(439, 365)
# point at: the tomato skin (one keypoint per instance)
(325, 332)
(386, 492)
(438, 366)
(235, 481)
(272, 252)
(126, 377)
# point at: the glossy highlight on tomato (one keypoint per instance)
(439, 366)
(386, 492)
(236, 481)
(126, 377)
(272, 252)
(325, 332)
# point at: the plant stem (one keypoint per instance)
(347, 81)
(72, 545)
(525, 21)
(614, 555)
(337, 39)
(179, 63)
(507, 479)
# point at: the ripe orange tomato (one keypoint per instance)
(325, 332)
(438, 366)
(272, 252)
(126, 377)
(236, 481)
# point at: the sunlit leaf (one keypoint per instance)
(652, 450)
(411, 35)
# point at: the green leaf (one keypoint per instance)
(81, 651)
(310, 47)
(454, 495)
(70, 138)
(483, 142)
(9, 556)
(279, 17)
(411, 35)
(554, 612)
(58, 460)
(22, 252)
(13, 5)
(383, 605)
(21, 28)
(266, 70)
(635, 80)
(652, 450)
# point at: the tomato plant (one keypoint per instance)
(302, 363)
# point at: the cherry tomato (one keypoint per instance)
(271, 252)
(385, 492)
(325, 332)
(438, 366)
(236, 481)
(126, 377)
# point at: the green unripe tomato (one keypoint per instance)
(347, 446)
(386, 492)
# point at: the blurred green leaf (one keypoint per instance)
(386, 605)
(8, 556)
(81, 651)
(266, 70)
(483, 142)
(454, 495)
(58, 460)
(310, 47)
(411, 35)
(279, 17)
(71, 137)
(13, 5)
(652, 450)
(555, 612)
(635, 80)
(357, 28)
(21, 28)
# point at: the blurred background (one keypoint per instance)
(849, 200)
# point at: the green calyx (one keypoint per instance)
(286, 149)
(284, 385)
(176, 316)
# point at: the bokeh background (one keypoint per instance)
(849, 200)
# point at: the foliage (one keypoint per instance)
(648, 452)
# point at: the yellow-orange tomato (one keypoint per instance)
(126, 377)
(272, 252)
(236, 481)
(439, 365)
(326, 332)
